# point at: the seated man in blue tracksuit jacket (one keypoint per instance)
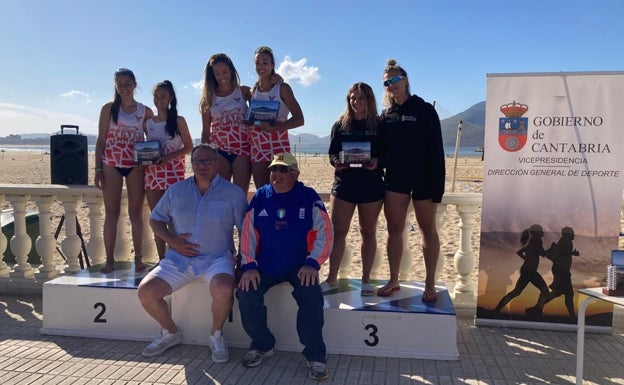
(287, 234)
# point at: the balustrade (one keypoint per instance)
(70, 197)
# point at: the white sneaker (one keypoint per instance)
(163, 342)
(220, 352)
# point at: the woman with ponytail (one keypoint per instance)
(120, 126)
(175, 140)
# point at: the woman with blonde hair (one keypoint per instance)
(413, 156)
(223, 108)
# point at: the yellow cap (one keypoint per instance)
(285, 159)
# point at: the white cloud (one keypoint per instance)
(198, 85)
(298, 71)
(20, 119)
(74, 94)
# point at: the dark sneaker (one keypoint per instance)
(318, 370)
(254, 357)
(220, 353)
(163, 342)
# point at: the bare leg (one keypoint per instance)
(341, 215)
(395, 211)
(241, 170)
(225, 168)
(221, 290)
(152, 292)
(425, 211)
(260, 172)
(111, 192)
(153, 196)
(368, 214)
(136, 193)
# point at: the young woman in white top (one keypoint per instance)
(172, 132)
(223, 108)
(120, 126)
(268, 139)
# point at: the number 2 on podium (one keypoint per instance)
(99, 317)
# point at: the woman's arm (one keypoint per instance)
(296, 115)
(206, 119)
(187, 141)
(104, 121)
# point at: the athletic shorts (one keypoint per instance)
(160, 177)
(356, 193)
(167, 271)
(405, 185)
(266, 144)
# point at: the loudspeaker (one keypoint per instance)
(69, 157)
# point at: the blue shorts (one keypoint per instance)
(228, 156)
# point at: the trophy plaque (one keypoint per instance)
(146, 153)
(355, 154)
(615, 274)
(262, 111)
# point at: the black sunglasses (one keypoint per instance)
(281, 169)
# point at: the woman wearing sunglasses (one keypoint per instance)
(413, 153)
(358, 181)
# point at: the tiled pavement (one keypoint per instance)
(488, 356)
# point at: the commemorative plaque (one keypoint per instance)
(355, 154)
(615, 274)
(262, 111)
(146, 153)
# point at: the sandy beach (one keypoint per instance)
(21, 167)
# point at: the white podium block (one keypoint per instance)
(97, 305)
(397, 326)
(190, 309)
(402, 326)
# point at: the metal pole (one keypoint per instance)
(457, 140)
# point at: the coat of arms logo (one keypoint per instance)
(512, 129)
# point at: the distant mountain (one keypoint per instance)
(473, 127)
(472, 134)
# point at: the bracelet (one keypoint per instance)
(98, 169)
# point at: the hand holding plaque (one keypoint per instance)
(355, 154)
(262, 111)
(146, 153)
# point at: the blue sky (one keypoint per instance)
(58, 57)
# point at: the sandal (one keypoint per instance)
(367, 290)
(387, 290)
(326, 287)
(429, 296)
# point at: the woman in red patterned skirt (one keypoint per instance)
(175, 140)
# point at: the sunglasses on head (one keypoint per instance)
(392, 80)
(281, 169)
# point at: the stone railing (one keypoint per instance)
(24, 276)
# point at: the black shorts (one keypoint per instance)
(359, 193)
(404, 184)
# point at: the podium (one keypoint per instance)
(402, 326)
